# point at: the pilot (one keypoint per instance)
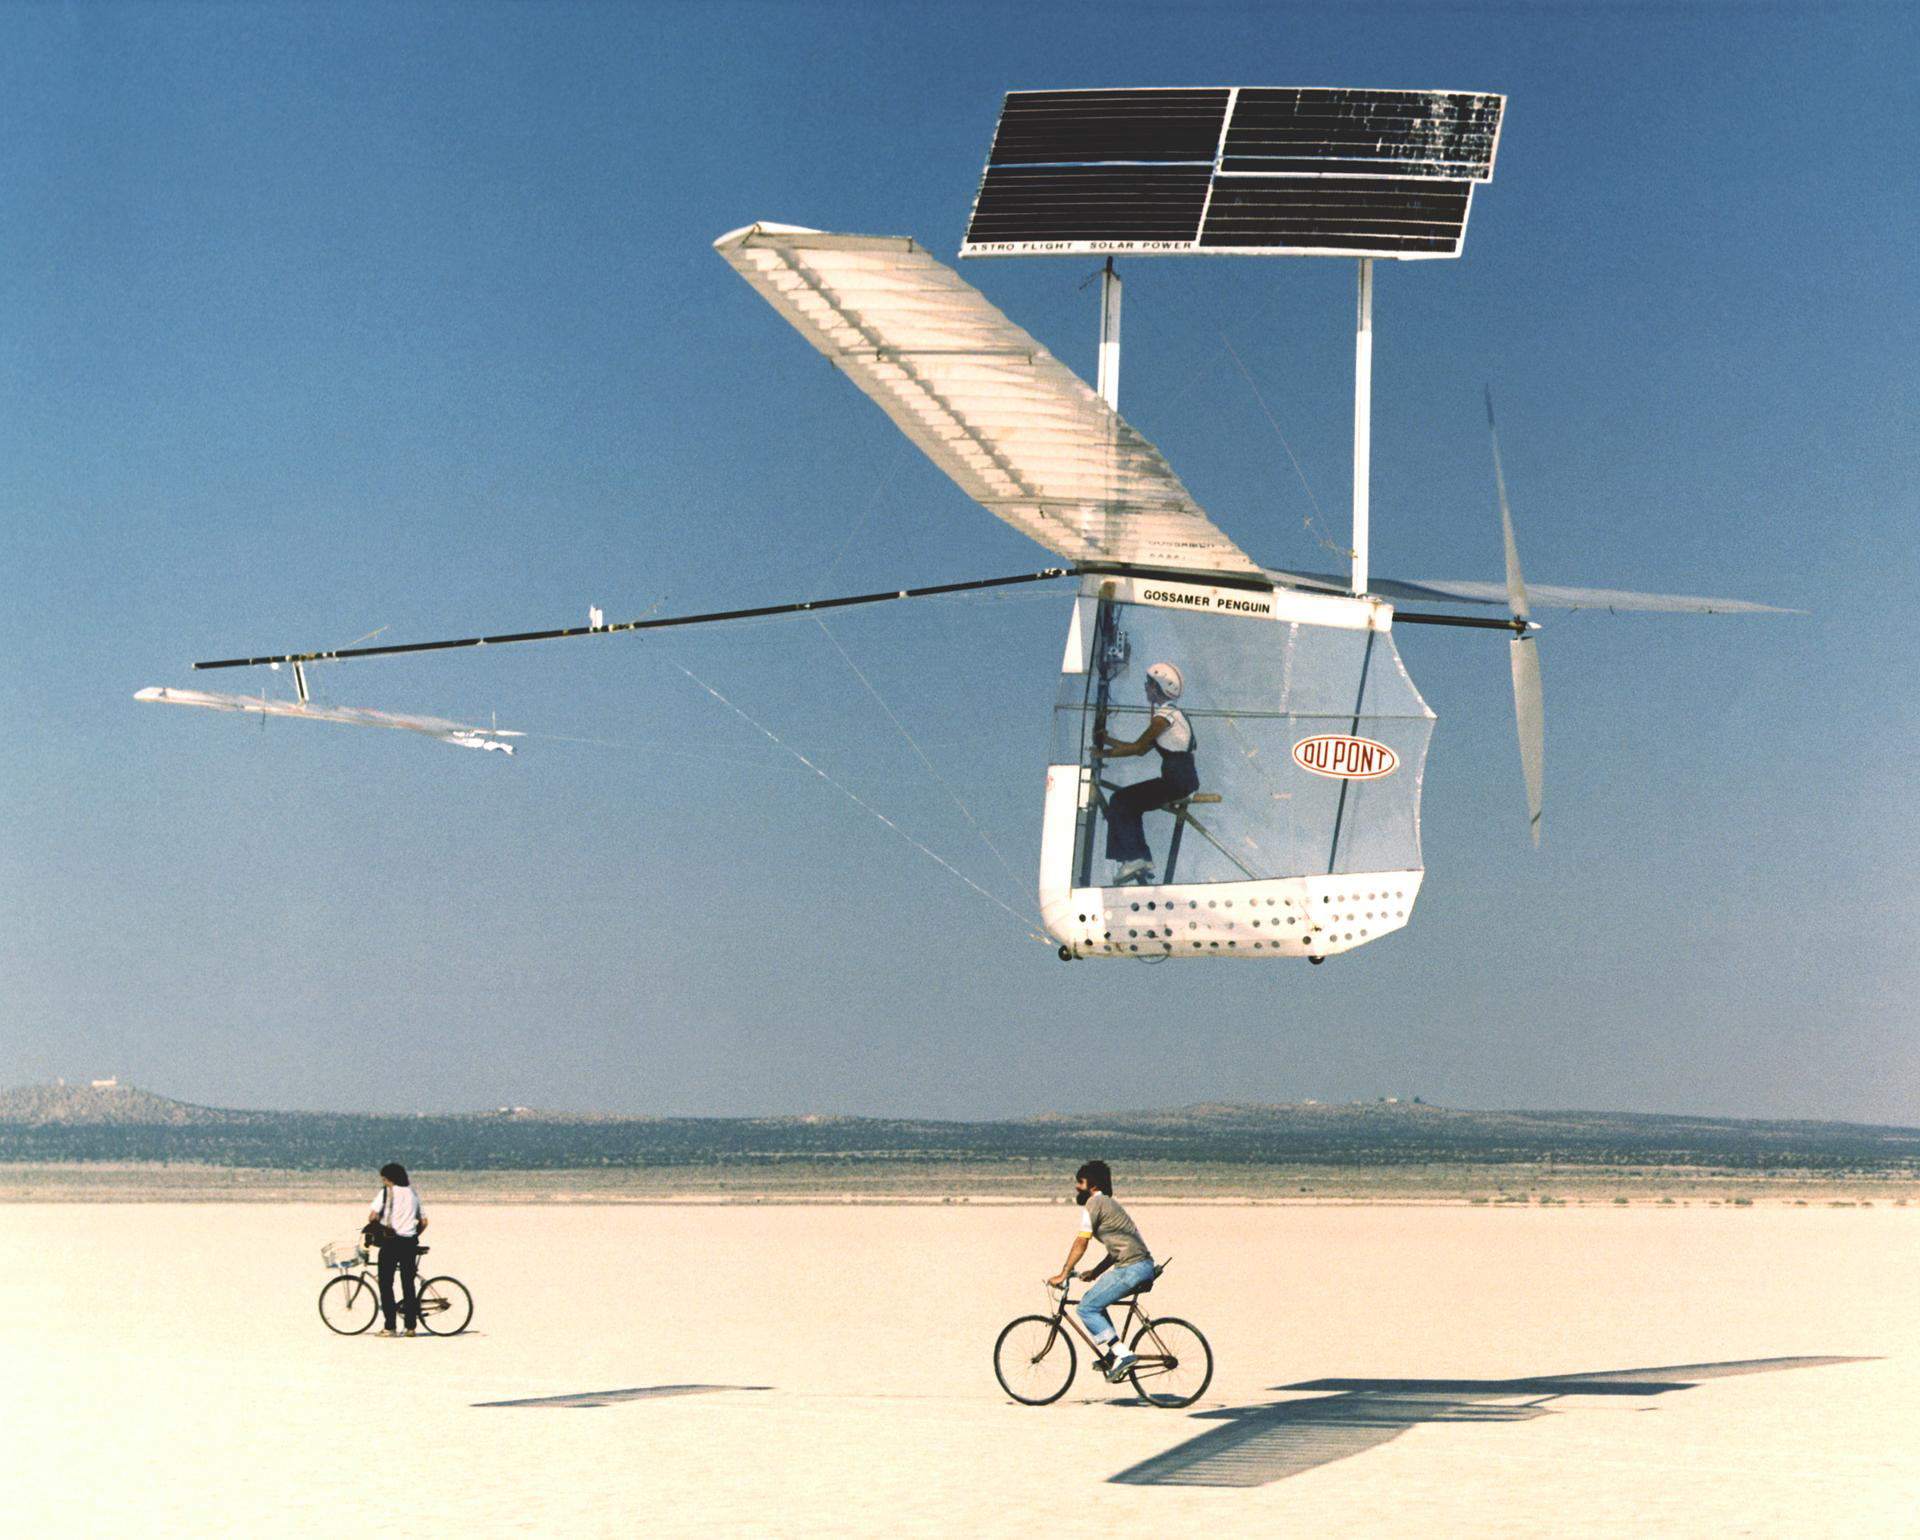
(1170, 736)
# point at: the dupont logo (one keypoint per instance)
(1345, 759)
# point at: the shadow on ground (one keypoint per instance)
(1255, 1445)
(609, 1397)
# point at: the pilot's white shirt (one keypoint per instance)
(1178, 737)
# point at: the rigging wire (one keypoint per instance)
(1309, 523)
(853, 797)
(881, 483)
(866, 513)
(1200, 370)
(701, 756)
(901, 728)
(1199, 373)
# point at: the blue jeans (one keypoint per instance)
(1113, 1283)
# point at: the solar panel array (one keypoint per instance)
(1241, 171)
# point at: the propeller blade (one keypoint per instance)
(1531, 718)
(1516, 584)
(1529, 711)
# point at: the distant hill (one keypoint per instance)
(121, 1123)
(96, 1106)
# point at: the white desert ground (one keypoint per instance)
(740, 1369)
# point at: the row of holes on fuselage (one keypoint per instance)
(1114, 946)
(1254, 903)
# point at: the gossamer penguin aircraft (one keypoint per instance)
(1302, 838)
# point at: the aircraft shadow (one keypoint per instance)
(609, 1397)
(1256, 1445)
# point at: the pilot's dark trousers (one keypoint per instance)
(1126, 840)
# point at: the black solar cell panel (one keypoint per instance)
(1064, 127)
(1321, 213)
(1091, 203)
(1256, 170)
(1396, 133)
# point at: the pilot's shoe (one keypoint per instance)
(1122, 1365)
(1131, 871)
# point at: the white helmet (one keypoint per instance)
(1168, 678)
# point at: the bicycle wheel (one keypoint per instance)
(445, 1306)
(1034, 1360)
(349, 1305)
(1176, 1365)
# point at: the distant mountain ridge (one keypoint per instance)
(122, 1123)
(39, 1105)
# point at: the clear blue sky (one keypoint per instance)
(318, 319)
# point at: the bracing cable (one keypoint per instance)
(901, 728)
(1314, 522)
(854, 797)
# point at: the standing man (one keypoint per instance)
(1131, 1264)
(397, 1212)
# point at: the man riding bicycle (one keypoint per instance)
(1127, 1256)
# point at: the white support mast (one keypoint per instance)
(1108, 380)
(1362, 422)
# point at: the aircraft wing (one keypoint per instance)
(1019, 432)
(1539, 594)
(456, 733)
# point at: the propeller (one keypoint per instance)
(1529, 714)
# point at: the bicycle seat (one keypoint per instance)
(421, 1251)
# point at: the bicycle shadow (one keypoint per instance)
(1257, 1445)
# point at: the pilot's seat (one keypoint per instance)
(1182, 811)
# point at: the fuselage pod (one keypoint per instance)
(1276, 812)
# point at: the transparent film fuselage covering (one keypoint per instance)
(1253, 691)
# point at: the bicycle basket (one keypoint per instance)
(348, 1253)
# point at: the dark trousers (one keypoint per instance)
(402, 1252)
(1126, 840)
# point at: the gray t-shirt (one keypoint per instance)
(1107, 1222)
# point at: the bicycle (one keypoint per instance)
(350, 1303)
(1034, 1358)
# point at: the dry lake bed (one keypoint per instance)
(795, 1369)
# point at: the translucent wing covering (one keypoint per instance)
(457, 733)
(1019, 432)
